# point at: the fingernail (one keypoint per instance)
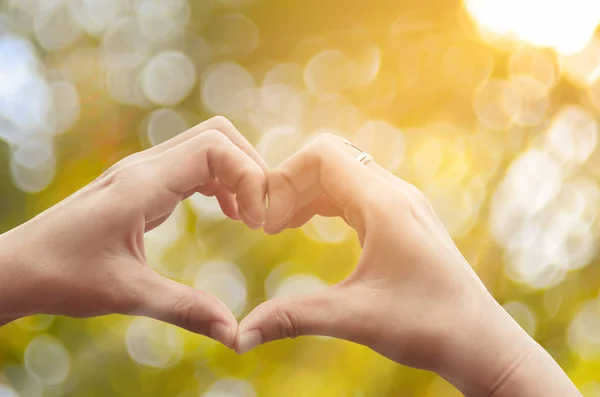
(272, 229)
(275, 213)
(220, 332)
(277, 227)
(249, 341)
(256, 223)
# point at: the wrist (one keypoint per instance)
(15, 278)
(487, 344)
(494, 357)
(535, 373)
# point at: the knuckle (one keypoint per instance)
(414, 191)
(245, 174)
(215, 137)
(118, 166)
(276, 179)
(325, 141)
(129, 176)
(328, 147)
(253, 173)
(409, 203)
(416, 197)
(318, 151)
(182, 312)
(112, 177)
(219, 123)
(287, 324)
(216, 146)
(313, 154)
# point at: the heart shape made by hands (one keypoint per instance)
(411, 297)
(409, 264)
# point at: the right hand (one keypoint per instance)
(86, 257)
(412, 297)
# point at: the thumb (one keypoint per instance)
(194, 310)
(325, 313)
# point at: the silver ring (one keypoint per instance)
(363, 157)
(353, 145)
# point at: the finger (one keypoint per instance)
(321, 313)
(218, 123)
(228, 203)
(227, 200)
(321, 206)
(202, 159)
(323, 167)
(156, 223)
(196, 311)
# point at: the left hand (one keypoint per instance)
(412, 296)
(85, 256)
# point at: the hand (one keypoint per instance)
(412, 297)
(85, 256)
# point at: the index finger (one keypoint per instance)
(206, 157)
(323, 167)
(218, 123)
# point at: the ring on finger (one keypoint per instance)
(363, 157)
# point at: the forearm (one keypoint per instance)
(494, 357)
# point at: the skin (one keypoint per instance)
(412, 297)
(85, 257)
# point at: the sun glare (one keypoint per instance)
(564, 25)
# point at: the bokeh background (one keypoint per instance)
(489, 106)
